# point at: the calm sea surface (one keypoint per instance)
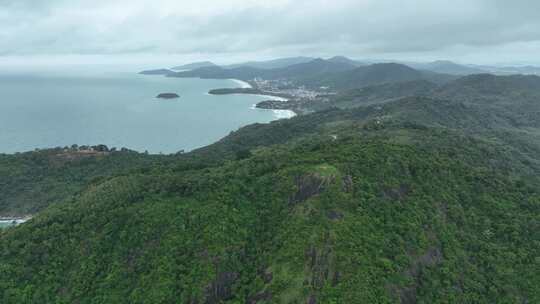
(50, 109)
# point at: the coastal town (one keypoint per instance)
(288, 87)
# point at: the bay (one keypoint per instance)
(119, 109)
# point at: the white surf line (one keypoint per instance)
(284, 114)
(242, 84)
(279, 114)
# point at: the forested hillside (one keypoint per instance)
(417, 194)
(371, 216)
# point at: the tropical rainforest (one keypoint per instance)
(395, 192)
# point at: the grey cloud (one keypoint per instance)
(383, 26)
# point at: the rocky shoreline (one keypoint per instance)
(13, 221)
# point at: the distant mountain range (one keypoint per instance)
(343, 59)
(449, 67)
(512, 70)
(344, 75)
(271, 64)
(439, 66)
(337, 73)
(377, 74)
(294, 72)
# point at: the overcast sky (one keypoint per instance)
(468, 31)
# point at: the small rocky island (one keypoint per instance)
(168, 96)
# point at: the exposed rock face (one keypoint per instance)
(308, 186)
(168, 96)
(334, 215)
(221, 289)
(260, 297)
(433, 256)
(348, 184)
(322, 266)
(398, 193)
(267, 276)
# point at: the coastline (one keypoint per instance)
(9, 222)
(242, 84)
(279, 114)
(284, 114)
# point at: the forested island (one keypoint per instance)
(168, 96)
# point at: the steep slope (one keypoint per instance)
(353, 220)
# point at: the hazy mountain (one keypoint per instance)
(242, 73)
(312, 68)
(157, 72)
(272, 64)
(376, 74)
(343, 59)
(510, 70)
(195, 65)
(447, 67)
(337, 74)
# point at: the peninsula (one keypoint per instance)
(251, 91)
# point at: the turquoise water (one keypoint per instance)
(118, 109)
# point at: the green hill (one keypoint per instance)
(418, 199)
(29, 182)
(359, 219)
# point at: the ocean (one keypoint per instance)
(57, 108)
